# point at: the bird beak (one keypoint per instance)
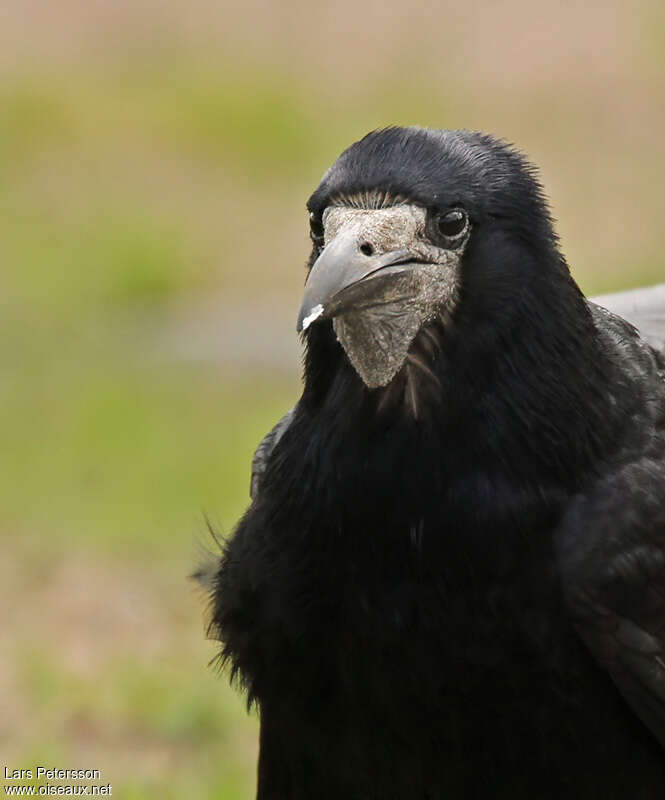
(344, 276)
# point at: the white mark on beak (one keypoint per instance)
(312, 316)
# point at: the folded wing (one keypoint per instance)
(611, 549)
(643, 308)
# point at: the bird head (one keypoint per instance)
(416, 229)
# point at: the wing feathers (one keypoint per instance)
(643, 308)
(612, 557)
(265, 448)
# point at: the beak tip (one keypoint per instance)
(306, 319)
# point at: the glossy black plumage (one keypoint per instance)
(469, 602)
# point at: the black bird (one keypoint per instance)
(451, 580)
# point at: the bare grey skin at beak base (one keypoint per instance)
(380, 280)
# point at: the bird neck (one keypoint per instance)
(521, 393)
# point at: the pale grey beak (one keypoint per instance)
(346, 262)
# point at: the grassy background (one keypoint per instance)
(154, 162)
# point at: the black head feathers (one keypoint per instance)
(440, 169)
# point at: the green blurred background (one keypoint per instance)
(155, 158)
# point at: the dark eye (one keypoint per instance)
(451, 224)
(316, 228)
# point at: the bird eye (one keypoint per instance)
(452, 224)
(316, 228)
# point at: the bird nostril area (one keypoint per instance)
(366, 248)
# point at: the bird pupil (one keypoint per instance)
(452, 223)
